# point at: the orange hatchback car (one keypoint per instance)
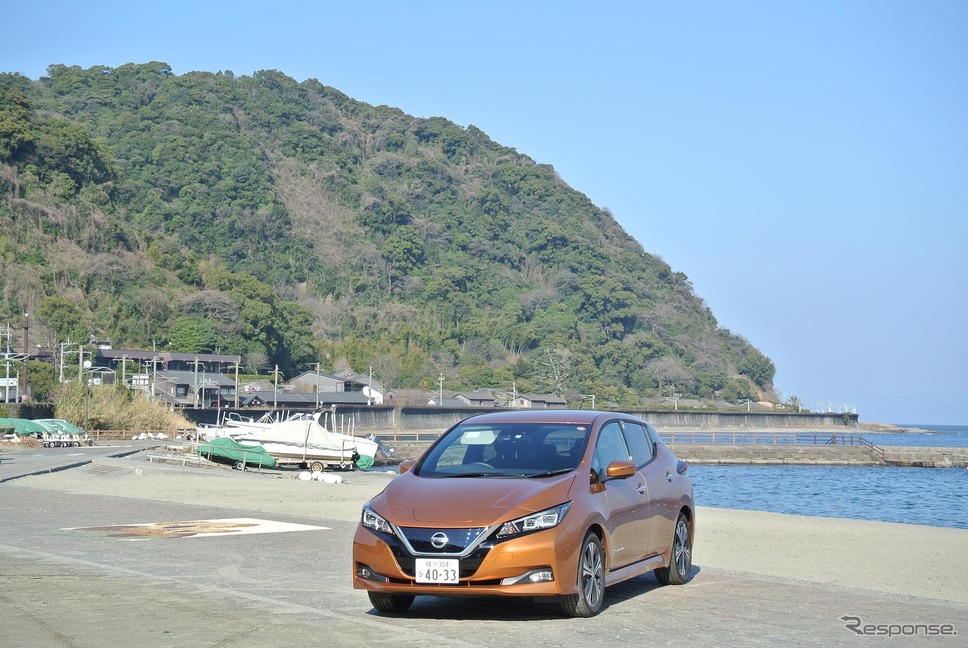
(558, 503)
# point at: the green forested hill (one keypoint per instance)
(294, 225)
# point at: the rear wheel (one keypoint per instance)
(384, 602)
(591, 581)
(679, 570)
(316, 466)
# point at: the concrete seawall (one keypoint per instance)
(406, 418)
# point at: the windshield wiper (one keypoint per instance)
(498, 475)
(549, 473)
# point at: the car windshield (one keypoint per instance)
(506, 450)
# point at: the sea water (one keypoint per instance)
(938, 436)
(929, 496)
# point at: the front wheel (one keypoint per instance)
(384, 602)
(679, 570)
(591, 581)
(316, 466)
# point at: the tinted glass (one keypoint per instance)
(610, 447)
(640, 442)
(506, 450)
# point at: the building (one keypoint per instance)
(477, 398)
(188, 389)
(343, 382)
(155, 361)
(539, 401)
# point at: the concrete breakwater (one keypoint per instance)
(774, 454)
(768, 454)
(926, 457)
(831, 455)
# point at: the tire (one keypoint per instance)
(316, 466)
(591, 580)
(679, 570)
(383, 602)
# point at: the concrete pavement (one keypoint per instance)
(17, 462)
(64, 586)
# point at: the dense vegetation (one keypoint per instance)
(288, 223)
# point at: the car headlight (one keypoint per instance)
(546, 519)
(373, 521)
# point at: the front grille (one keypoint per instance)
(420, 539)
(458, 540)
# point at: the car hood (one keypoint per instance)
(410, 500)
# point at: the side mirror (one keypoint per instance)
(619, 470)
(615, 470)
(406, 465)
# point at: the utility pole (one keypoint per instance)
(7, 356)
(23, 389)
(440, 382)
(64, 346)
(317, 384)
(275, 389)
(236, 384)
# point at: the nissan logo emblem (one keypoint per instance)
(439, 540)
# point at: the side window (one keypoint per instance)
(610, 446)
(642, 448)
(653, 433)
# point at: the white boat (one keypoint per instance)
(300, 434)
(301, 441)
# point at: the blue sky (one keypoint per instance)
(805, 164)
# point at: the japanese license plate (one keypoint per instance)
(437, 570)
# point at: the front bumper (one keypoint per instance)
(502, 568)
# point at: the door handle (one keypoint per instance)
(668, 476)
(642, 489)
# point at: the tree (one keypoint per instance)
(668, 371)
(403, 251)
(556, 369)
(41, 383)
(758, 367)
(255, 362)
(192, 335)
(64, 317)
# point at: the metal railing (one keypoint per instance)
(396, 436)
(761, 437)
(875, 449)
